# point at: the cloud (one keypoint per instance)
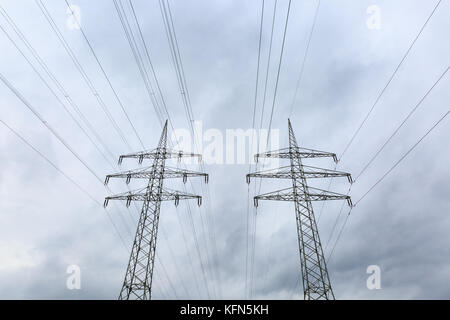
(46, 224)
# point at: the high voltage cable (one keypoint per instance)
(162, 290)
(167, 276)
(279, 67)
(65, 175)
(46, 124)
(268, 66)
(403, 157)
(52, 131)
(265, 91)
(178, 60)
(403, 122)
(387, 173)
(137, 56)
(382, 93)
(153, 72)
(81, 70)
(274, 101)
(178, 65)
(253, 133)
(277, 78)
(257, 70)
(77, 64)
(147, 54)
(56, 96)
(185, 241)
(339, 235)
(139, 60)
(58, 85)
(300, 77)
(390, 80)
(390, 138)
(105, 75)
(336, 222)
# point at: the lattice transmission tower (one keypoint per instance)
(139, 275)
(315, 278)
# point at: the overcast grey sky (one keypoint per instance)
(47, 224)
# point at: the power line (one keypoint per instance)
(257, 68)
(65, 175)
(390, 80)
(403, 157)
(262, 112)
(279, 67)
(300, 77)
(161, 94)
(137, 56)
(140, 62)
(167, 276)
(268, 66)
(277, 79)
(339, 236)
(52, 131)
(47, 125)
(147, 54)
(385, 175)
(179, 69)
(253, 133)
(378, 99)
(58, 84)
(403, 122)
(81, 70)
(273, 103)
(106, 76)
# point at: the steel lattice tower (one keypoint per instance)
(316, 281)
(139, 274)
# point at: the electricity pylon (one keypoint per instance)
(139, 275)
(316, 281)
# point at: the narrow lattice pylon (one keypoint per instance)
(315, 278)
(139, 275)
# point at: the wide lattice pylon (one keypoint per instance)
(315, 278)
(139, 275)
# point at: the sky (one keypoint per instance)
(401, 226)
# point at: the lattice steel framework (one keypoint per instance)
(315, 278)
(138, 278)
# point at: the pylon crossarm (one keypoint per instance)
(310, 172)
(147, 173)
(157, 153)
(184, 174)
(287, 153)
(288, 194)
(315, 172)
(143, 195)
(322, 195)
(169, 195)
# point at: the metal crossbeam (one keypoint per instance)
(146, 173)
(142, 195)
(310, 172)
(289, 194)
(315, 278)
(287, 153)
(159, 154)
